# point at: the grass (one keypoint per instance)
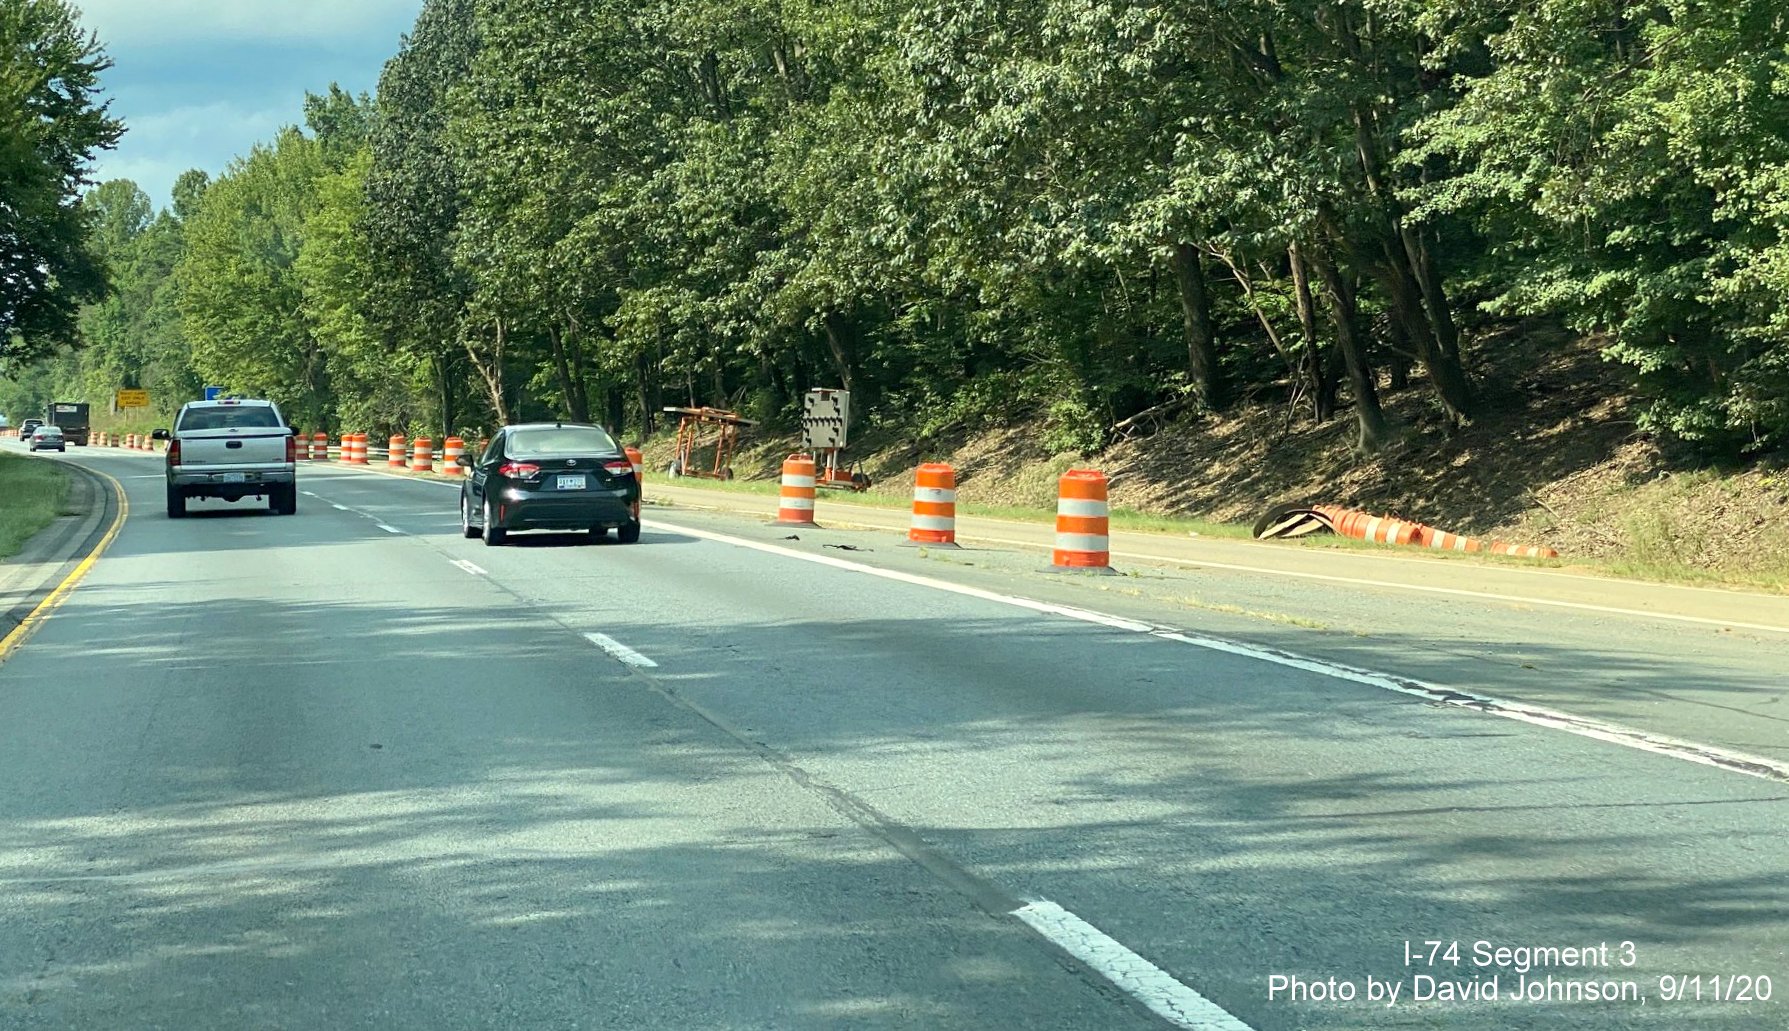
(31, 496)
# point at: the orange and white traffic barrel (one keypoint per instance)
(934, 506)
(797, 505)
(130, 442)
(638, 461)
(319, 447)
(355, 446)
(422, 456)
(1083, 535)
(396, 453)
(451, 450)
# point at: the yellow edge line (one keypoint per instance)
(11, 641)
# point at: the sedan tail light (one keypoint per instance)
(518, 469)
(619, 468)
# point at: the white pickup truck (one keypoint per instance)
(231, 449)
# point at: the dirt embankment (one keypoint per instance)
(1555, 457)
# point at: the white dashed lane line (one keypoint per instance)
(620, 651)
(469, 567)
(1137, 977)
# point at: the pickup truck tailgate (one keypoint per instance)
(255, 446)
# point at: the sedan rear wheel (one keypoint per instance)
(493, 534)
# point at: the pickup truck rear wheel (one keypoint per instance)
(176, 504)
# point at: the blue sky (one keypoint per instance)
(199, 82)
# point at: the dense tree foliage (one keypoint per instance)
(969, 211)
(51, 124)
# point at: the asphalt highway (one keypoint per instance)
(350, 770)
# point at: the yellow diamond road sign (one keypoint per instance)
(133, 399)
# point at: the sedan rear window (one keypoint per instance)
(559, 440)
(230, 418)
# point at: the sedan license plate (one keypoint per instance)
(572, 481)
(233, 478)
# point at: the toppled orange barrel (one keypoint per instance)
(1298, 520)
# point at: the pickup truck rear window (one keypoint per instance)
(229, 419)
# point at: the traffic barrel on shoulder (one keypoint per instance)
(422, 456)
(451, 450)
(319, 447)
(638, 461)
(1083, 535)
(796, 507)
(934, 506)
(360, 448)
(396, 452)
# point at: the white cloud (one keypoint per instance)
(165, 21)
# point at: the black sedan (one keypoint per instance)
(550, 476)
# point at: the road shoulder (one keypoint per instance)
(52, 555)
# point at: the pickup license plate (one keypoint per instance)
(572, 481)
(232, 478)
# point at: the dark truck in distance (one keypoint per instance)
(71, 416)
(231, 449)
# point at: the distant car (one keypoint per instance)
(48, 438)
(550, 476)
(28, 427)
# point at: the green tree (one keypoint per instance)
(52, 122)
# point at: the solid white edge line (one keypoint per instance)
(1509, 599)
(469, 567)
(620, 651)
(1522, 712)
(1137, 977)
